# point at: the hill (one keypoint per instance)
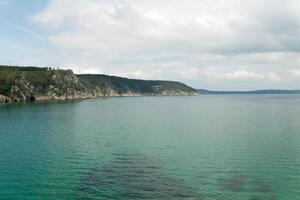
(117, 86)
(34, 83)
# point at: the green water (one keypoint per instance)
(207, 147)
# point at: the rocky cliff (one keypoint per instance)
(20, 84)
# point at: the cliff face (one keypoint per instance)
(29, 84)
(20, 84)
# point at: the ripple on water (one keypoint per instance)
(132, 176)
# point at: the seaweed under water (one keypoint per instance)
(238, 183)
(132, 176)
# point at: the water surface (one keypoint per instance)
(207, 147)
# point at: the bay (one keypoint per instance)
(205, 147)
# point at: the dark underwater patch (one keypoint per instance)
(132, 176)
(237, 182)
(233, 183)
(261, 186)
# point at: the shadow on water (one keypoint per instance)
(131, 176)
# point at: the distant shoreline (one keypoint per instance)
(268, 91)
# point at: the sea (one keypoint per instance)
(210, 147)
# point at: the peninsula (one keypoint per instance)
(23, 84)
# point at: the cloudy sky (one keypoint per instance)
(213, 44)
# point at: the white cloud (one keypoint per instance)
(295, 72)
(235, 75)
(273, 76)
(83, 69)
(216, 26)
(243, 74)
(174, 39)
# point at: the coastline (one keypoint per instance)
(41, 98)
(28, 84)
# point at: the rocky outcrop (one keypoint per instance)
(21, 90)
(4, 99)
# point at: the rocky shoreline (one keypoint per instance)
(6, 99)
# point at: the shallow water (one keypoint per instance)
(207, 147)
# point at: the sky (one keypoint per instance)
(212, 44)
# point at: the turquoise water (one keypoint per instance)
(206, 147)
